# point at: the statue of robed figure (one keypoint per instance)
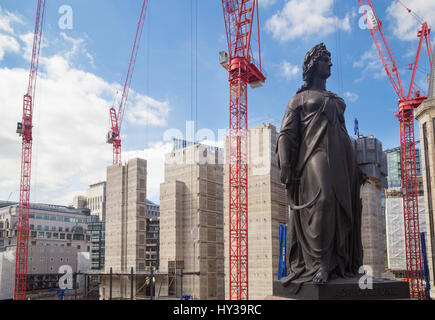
(318, 166)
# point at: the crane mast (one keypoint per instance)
(239, 17)
(114, 135)
(24, 129)
(405, 114)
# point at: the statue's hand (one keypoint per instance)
(287, 175)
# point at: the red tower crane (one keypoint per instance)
(239, 17)
(405, 114)
(114, 135)
(24, 129)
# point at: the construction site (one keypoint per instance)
(214, 224)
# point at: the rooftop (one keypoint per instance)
(97, 184)
(150, 203)
(50, 208)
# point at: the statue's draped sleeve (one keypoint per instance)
(287, 147)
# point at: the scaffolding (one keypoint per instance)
(395, 230)
(87, 286)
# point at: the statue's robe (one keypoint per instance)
(328, 233)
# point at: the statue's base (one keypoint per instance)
(344, 289)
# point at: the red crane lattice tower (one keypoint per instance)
(239, 17)
(114, 136)
(405, 114)
(24, 129)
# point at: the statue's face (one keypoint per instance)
(324, 67)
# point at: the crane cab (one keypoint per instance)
(223, 59)
(20, 129)
(111, 136)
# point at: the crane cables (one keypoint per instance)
(411, 12)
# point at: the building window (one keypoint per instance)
(78, 247)
(39, 227)
(48, 235)
(46, 228)
(68, 236)
(41, 235)
(62, 235)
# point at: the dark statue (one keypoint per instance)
(318, 166)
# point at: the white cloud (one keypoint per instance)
(27, 40)
(352, 97)
(404, 25)
(303, 19)
(78, 47)
(289, 70)
(155, 156)
(7, 19)
(71, 119)
(143, 110)
(8, 44)
(371, 64)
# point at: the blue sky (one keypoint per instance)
(177, 78)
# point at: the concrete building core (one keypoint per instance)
(425, 114)
(191, 222)
(373, 162)
(267, 209)
(125, 225)
(79, 202)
